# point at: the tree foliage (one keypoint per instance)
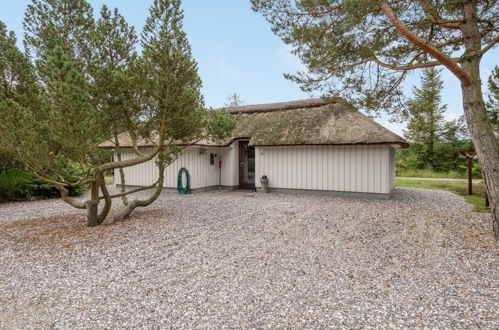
(353, 49)
(234, 100)
(17, 79)
(68, 24)
(90, 85)
(363, 50)
(434, 142)
(425, 115)
(493, 102)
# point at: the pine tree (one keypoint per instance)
(114, 91)
(17, 79)
(234, 100)
(171, 88)
(114, 54)
(86, 98)
(425, 117)
(68, 24)
(18, 87)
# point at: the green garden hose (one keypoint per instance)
(180, 188)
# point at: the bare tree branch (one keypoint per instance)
(409, 66)
(490, 45)
(423, 45)
(437, 20)
(71, 201)
(133, 191)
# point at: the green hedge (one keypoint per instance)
(17, 185)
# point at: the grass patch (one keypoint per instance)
(109, 180)
(417, 173)
(459, 188)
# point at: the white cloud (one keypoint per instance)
(287, 59)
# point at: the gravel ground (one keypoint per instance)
(248, 260)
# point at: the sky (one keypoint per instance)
(237, 52)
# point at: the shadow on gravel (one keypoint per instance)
(70, 230)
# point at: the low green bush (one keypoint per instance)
(73, 173)
(17, 184)
(7, 161)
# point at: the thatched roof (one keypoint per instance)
(309, 122)
(125, 141)
(306, 122)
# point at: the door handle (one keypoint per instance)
(241, 164)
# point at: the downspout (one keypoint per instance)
(220, 170)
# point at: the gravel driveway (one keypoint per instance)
(232, 259)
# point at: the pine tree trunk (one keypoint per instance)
(93, 206)
(485, 146)
(479, 126)
(125, 212)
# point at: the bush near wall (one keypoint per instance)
(18, 185)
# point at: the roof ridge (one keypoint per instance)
(280, 106)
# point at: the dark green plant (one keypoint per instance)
(15, 184)
(68, 24)
(425, 115)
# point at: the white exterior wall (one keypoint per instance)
(202, 173)
(366, 169)
(392, 167)
(230, 165)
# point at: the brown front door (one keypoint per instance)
(246, 165)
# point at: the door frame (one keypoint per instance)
(241, 165)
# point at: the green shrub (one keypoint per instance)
(7, 161)
(15, 184)
(70, 173)
(73, 173)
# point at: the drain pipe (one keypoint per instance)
(220, 170)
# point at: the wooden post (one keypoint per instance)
(469, 155)
(470, 174)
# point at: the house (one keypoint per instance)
(312, 145)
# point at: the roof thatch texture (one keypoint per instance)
(306, 122)
(309, 122)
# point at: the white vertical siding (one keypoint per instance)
(367, 169)
(392, 167)
(230, 165)
(202, 173)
